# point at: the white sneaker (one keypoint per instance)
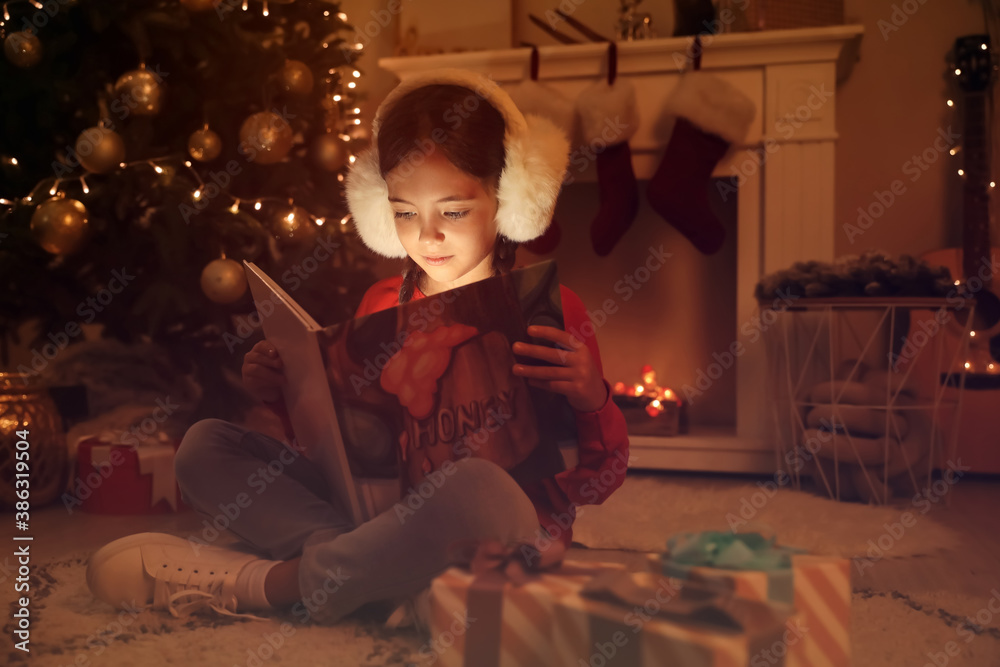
(413, 610)
(158, 571)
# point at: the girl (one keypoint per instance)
(455, 179)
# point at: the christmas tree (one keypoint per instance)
(147, 148)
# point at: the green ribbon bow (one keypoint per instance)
(733, 551)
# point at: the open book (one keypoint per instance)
(382, 401)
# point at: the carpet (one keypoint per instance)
(647, 509)
(71, 627)
(891, 628)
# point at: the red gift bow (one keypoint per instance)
(514, 560)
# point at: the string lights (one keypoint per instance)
(955, 150)
(6, 11)
(201, 191)
(197, 194)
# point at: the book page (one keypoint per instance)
(306, 392)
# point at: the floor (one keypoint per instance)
(921, 583)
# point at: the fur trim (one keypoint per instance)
(608, 113)
(537, 154)
(712, 104)
(531, 179)
(368, 201)
(532, 97)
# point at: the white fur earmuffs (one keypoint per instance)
(536, 158)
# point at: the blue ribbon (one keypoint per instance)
(732, 551)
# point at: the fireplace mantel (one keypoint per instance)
(785, 169)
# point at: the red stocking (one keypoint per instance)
(619, 198)
(711, 115)
(678, 191)
(608, 119)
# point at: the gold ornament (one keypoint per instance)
(204, 145)
(330, 151)
(296, 78)
(223, 280)
(59, 225)
(198, 5)
(267, 137)
(99, 149)
(296, 226)
(141, 91)
(23, 49)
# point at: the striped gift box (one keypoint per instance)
(638, 630)
(481, 621)
(819, 587)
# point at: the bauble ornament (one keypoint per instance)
(296, 78)
(296, 226)
(223, 280)
(204, 145)
(141, 91)
(99, 149)
(23, 48)
(267, 137)
(59, 225)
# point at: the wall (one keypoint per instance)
(892, 108)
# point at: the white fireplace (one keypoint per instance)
(785, 201)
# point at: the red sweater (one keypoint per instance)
(603, 438)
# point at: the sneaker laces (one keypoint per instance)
(183, 596)
(412, 611)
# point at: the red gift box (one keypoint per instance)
(121, 479)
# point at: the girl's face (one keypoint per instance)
(445, 220)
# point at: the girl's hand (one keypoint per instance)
(574, 374)
(263, 372)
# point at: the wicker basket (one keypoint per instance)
(746, 15)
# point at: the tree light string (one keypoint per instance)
(196, 194)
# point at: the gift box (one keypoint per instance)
(754, 568)
(647, 620)
(124, 479)
(497, 610)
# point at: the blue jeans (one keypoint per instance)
(278, 502)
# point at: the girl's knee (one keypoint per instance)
(194, 453)
(477, 487)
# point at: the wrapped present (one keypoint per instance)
(646, 620)
(495, 607)
(755, 568)
(124, 479)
